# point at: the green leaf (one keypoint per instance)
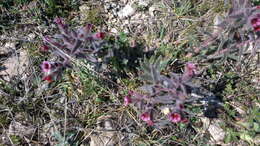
(228, 138)
(245, 136)
(256, 127)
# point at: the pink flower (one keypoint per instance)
(127, 100)
(147, 118)
(46, 66)
(175, 117)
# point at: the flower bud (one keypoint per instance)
(147, 118)
(44, 48)
(46, 66)
(127, 100)
(175, 117)
(48, 78)
(99, 35)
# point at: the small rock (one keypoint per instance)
(15, 65)
(213, 127)
(16, 128)
(84, 8)
(31, 36)
(9, 45)
(144, 3)
(127, 11)
(166, 111)
(153, 8)
(107, 135)
(114, 30)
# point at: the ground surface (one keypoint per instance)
(86, 105)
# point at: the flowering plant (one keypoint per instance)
(237, 35)
(68, 45)
(166, 94)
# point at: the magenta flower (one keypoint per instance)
(46, 66)
(127, 100)
(147, 118)
(255, 22)
(175, 117)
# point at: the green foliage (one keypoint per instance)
(248, 128)
(16, 139)
(182, 8)
(151, 69)
(9, 3)
(256, 2)
(65, 141)
(4, 119)
(94, 16)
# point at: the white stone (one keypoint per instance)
(106, 135)
(31, 36)
(154, 7)
(15, 65)
(9, 45)
(213, 127)
(144, 3)
(114, 30)
(127, 11)
(166, 111)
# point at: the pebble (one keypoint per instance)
(127, 11)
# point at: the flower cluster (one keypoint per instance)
(166, 93)
(255, 22)
(80, 43)
(51, 70)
